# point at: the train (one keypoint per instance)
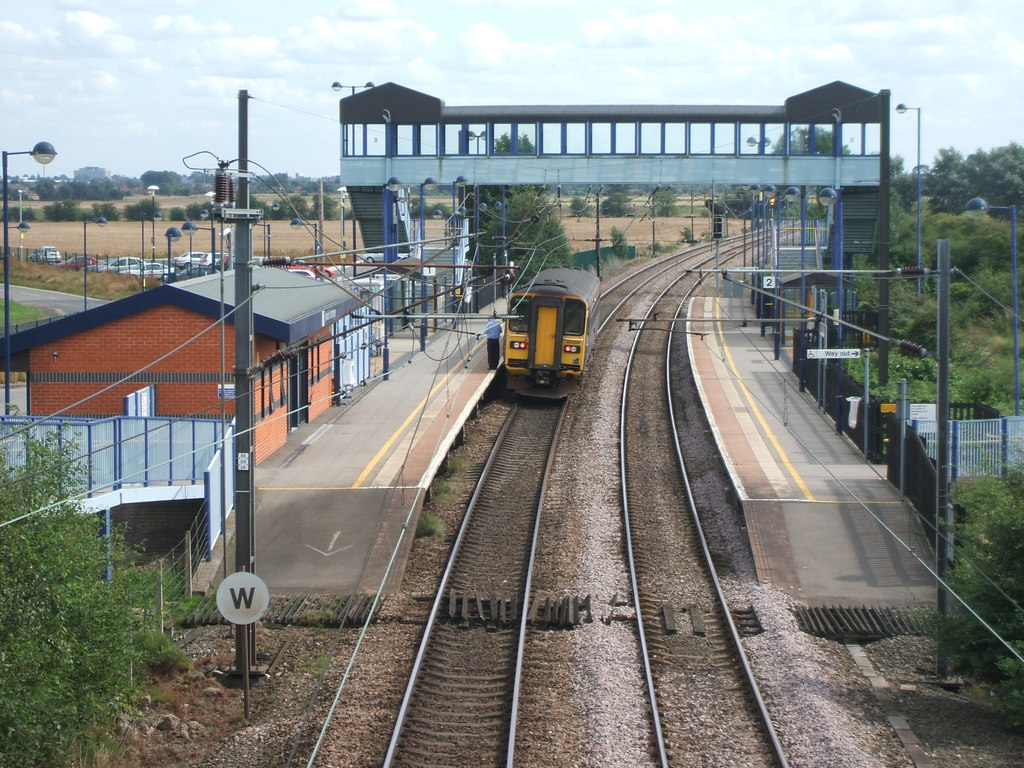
(550, 332)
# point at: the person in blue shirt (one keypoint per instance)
(493, 332)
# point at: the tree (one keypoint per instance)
(535, 237)
(664, 203)
(988, 574)
(62, 210)
(66, 635)
(615, 203)
(524, 145)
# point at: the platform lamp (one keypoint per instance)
(173, 234)
(43, 153)
(99, 222)
(23, 227)
(977, 207)
(903, 109)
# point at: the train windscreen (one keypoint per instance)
(574, 322)
(519, 309)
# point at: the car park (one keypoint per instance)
(46, 254)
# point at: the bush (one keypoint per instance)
(430, 526)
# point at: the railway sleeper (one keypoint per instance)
(559, 613)
(493, 610)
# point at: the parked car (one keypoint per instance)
(46, 254)
(209, 261)
(79, 262)
(192, 257)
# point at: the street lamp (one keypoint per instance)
(173, 234)
(100, 222)
(336, 86)
(20, 219)
(978, 207)
(23, 227)
(153, 215)
(43, 152)
(903, 109)
(342, 199)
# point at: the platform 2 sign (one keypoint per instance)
(833, 354)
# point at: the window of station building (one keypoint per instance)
(375, 145)
(752, 140)
(551, 139)
(574, 323)
(872, 139)
(774, 138)
(625, 138)
(650, 138)
(509, 138)
(404, 140)
(724, 139)
(428, 139)
(476, 139)
(823, 138)
(799, 139)
(861, 139)
(526, 139)
(700, 138)
(601, 138)
(452, 134)
(575, 139)
(675, 138)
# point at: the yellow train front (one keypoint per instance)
(548, 337)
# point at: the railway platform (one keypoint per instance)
(336, 507)
(824, 525)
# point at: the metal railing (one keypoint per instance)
(121, 451)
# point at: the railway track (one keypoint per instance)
(459, 704)
(695, 667)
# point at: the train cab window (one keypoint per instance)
(520, 311)
(574, 323)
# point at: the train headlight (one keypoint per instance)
(518, 345)
(571, 349)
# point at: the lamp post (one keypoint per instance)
(43, 152)
(100, 222)
(23, 227)
(20, 219)
(153, 189)
(173, 234)
(342, 199)
(829, 198)
(903, 109)
(336, 86)
(978, 207)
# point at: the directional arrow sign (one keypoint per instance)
(242, 598)
(832, 354)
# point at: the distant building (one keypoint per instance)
(92, 173)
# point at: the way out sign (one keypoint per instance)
(833, 354)
(242, 598)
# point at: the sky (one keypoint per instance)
(131, 86)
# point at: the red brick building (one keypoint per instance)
(171, 337)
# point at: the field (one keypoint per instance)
(132, 238)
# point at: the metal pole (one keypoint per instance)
(85, 264)
(7, 296)
(244, 459)
(943, 517)
(902, 413)
(867, 395)
(1016, 313)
